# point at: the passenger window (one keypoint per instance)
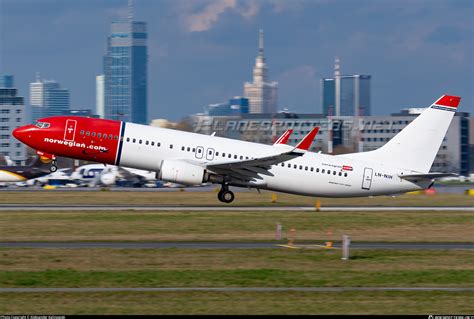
(188, 149)
(194, 149)
(147, 142)
(235, 156)
(229, 156)
(301, 166)
(317, 170)
(295, 166)
(128, 139)
(340, 174)
(323, 171)
(312, 169)
(88, 133)
(289, 165)
(99, 135)
(158, 144)
(140, 141)
(134, 140)
(116, 137)
(334, 173)
(329, 172)
(93, 134)
(152, 143)
(241, 157)
(223, 154)
(82, 132)
(199, 150)
(171, 145)
(111, 136)
(345, 174)
(182, 148)
(306, 168)
(217, 153)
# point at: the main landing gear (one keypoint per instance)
(225, 195)
(54, 166)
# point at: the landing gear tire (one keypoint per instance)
(225, 196)
(53, 167)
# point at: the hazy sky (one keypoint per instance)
(202, 52)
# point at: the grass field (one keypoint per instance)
(245, 198)
(102, 267)
(225, 268)
(424, 226)
(234, 268)
(422, 303)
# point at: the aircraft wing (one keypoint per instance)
(417, 177)
(248, 170)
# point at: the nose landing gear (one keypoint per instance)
(225, 195)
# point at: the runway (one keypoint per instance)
(234, 245)
(34, 207)
(237, 289)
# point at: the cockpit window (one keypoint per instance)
(42, 124)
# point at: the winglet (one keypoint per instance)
(284, 138)
(305, 143)
(448, 101)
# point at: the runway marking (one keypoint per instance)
(42, 207)
(238, 289)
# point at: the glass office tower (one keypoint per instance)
(125, 71)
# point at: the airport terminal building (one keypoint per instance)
(341, 134)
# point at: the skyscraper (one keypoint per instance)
(125, 71)
(47, 98)
(345, 95)
(99, 96)
(262, 95)
(12, 115)
(6, 81)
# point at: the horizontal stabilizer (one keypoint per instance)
(417, 177)
(306, 142)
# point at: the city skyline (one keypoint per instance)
(202, 52)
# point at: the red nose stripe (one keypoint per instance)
(449, 100)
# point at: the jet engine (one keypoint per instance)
(182, 173)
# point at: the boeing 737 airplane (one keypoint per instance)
(401, 165)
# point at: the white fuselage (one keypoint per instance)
(311, 174)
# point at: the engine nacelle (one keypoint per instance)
(181, 172)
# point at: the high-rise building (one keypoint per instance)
(6, 81)
(12, 115)
(99, 96)
(47, 98)
(262, 95)
(345, 95)
(125, 71)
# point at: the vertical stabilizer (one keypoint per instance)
(416, 146)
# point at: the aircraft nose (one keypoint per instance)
(21, 133)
